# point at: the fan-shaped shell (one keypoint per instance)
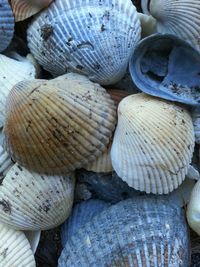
(153, 144)
(24, 9)
(180, 18)
(60, 125)
(6, 24)
(95, 38)
(12, 71)
(157, 69)
(15, 250)
(81, 214)
(136, 232)
(29, 201)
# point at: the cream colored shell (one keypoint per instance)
(153, 144)
(59, 125)
(15, 250)
(29, 201)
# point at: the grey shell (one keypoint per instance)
(136, 232)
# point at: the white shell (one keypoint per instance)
(92, 37)
(148, 24)
(33, 238)
(153, 144)
(29, 201)
(15, 250)
(193, 209)
(12, 71)
(5, 162)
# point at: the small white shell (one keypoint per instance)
(15, 250)
(153, 144)
(29, 201)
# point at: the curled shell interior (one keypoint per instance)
(33, 238)
(153, 144)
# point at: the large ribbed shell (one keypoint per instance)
(193, 209)
(137, 232)
(153, 144)
(12, 71)
(95, 38)
(180, 18)
(6, 24)
(60, 125)
(24, 9)
(29, 201)
(15, 250)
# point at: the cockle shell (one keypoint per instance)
(24, 9)
(15, 250)
(74, 116)
(12, 71)
(157, 69)
(136, 232)
(193, 209)
(180, 18)
(153, 144)
(29, 201)
(6, 24)
(94, 38)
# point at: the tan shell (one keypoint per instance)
(153, 144)
(24, 9)
(29, 201)
(15, 250)
(60, 125)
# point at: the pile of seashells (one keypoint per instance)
(100, 130)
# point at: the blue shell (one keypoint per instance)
(167, 67)
(81, 214)
(6, 24)
(136, 232)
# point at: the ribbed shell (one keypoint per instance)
(153, 144)
(12, 71)
(193, 209)
(5, 162)
(15, 250)
(81, 214)
(24, 9)
(6, 24)
(196, 124)
(29, 201)
(180, 18)
(137, 232)
(60, 125)
(92, 37)
(167, 67)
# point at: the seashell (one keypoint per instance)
(148, 24)
(29, 201)
(153, 144)
(15, 249)
(193, 209)
(63, 145)
(97, 40)
(81, 214)
(135, 232)
(33, 238)
(5, 162)
(193, 173)
(145, 6)
(196, 123)
(6, 24)
(157, 69)
(117, 95)
(24, 9)
(180, 18)
(12, 71)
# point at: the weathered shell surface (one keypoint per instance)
(33, 238)
(180, 18)
(24, 9)
(136, 232)
(153, 144)
(29, 201)
(6, 24)
(75, 119)
(95, 38)
(5, 162)
(193, 209)
(12, 71)
(81, 214)
(15, 250)
(157, 69)
(196, 124)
